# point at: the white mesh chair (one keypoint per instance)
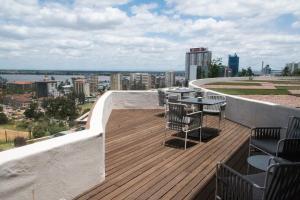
(217, 109)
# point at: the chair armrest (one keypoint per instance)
(232, 184)
(194, 114)
(265, 133)
(288, 146)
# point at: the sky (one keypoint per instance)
(145, 35)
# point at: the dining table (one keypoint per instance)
(181, 91)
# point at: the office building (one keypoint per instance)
(233, 64)
(82, 86)
(199, 57)
(170, 79)
(116, 81)
(46, 88)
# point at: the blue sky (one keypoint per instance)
(144, 34)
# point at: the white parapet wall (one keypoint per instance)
(249, 112)
(66, 166)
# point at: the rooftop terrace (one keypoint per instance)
(138, 166)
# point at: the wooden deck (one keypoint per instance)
(138, 166)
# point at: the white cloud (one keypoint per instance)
(100, 34)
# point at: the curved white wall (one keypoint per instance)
(63, 167)
(251, 113)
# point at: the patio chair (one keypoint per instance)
(271, 141)
(215, 110)
(161, 98)
(180, 120)
(279, 182)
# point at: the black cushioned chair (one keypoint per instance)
(180, 120)
(279, 182)
(272, 141)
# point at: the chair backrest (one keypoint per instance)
(173, 98)
(283, 182)
(289, 149)
(216, 107)
(175, 116)
(293, 129)
(161, 98)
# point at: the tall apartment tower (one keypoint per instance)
(82, 86)
(233, 64)
(170, 79)
(93, 81)
(116, 81)
(199, 58)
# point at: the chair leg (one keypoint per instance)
(165, 138)
(200, 136)
(185, 140)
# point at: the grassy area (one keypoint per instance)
(5, 146)
(235, 83)
(12, 126)
(288, 87)
(85, 106)
(296, 82)
(253, 91)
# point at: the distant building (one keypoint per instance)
(82, 86)
(67, 89)
(266, 70)
(199, 57)
(227, 72)
(116, 81)
(293, 66)
(93, 81)
(170, 79)
(233, 64)
(160, 82)
(18, 100)
(140, 81)
(46, 88)
(19, 86)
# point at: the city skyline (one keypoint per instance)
(145, 35)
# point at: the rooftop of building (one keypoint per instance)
(20, 82)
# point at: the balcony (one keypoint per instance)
(121, 155)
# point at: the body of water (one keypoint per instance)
(31, 77)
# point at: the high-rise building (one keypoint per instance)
(93, 81)
(82, 86)
(170, 79)
(140, 81)
(199, 57)
(293, 66)
(46, 88)
(233, 64)
(116, 81)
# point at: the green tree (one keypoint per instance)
(32, 112)
(249, 71)
(215, 68)
(40, 130)
(3, 118)
(81, 98)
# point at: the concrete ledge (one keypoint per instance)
(66, 166)
(249, 112)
